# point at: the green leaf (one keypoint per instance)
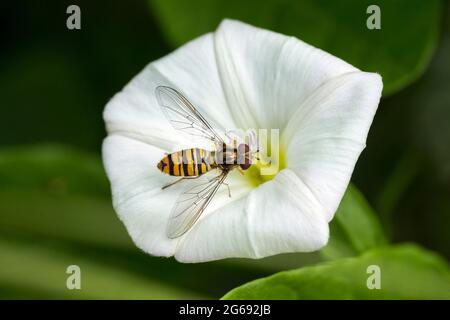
(354, 229)
(397, 183)
(70, 218)
(55, 169)
(30, 271)
(57, 192)
(400, 51)
(407, 272)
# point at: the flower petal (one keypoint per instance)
(267, 75)
(279, 216)
(192, 69)
(327, 133)
(136, 191)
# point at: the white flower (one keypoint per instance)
(242, 77)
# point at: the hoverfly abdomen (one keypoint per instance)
(187, 163)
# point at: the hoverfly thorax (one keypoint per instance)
(243, 156)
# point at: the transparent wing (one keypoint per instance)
(183, 116)
(191, 204)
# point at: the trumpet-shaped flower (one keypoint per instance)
(244, 77)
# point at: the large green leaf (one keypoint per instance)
(53, 168)
(400, 51)
(407, 272)
(354, 229)
(71, 218)
(57, 192)
(30, 270)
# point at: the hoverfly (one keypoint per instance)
(191, 164)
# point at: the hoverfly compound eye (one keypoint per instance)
(245, 166)
(244, 160)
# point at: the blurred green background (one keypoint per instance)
(55, 206)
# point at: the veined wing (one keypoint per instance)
(192, 203)
(183, 115)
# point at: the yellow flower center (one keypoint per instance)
(262, 171)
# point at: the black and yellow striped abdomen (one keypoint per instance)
(187, 163)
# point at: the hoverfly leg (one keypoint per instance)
(213, 179)
(171, 184)
(176, 181)
(229, 190)
(241, 171)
